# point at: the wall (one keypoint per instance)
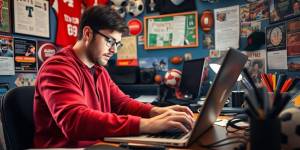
(196, 52)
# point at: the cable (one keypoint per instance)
(227, 141)
(233, 123)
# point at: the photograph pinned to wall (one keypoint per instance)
(45, 51)
(208, 41)
(249, 27)
(256, 65)
(158, 63)
(32, 17)
(25, 79)
(25, 55)
(259, 10)
(283, 9)
(7, 66)
(214, 54)
(293, 37)
(187, 56)
(293, 63)
(141, 40)
(276, 37)
(5, 21)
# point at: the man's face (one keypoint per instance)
(4, 49)
(99, 50)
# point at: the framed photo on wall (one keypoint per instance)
(5, 22)
(32, 17)
(283, 9)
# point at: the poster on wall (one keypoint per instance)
(276, 37)
(31, 17)
(6, 56)
(5, 22)
(283, 9)
(45, 51)
(25, 55)
(254, 11)
(293, 44)
(293, 37)
(127, 54)
(256, 64)
(227, 27)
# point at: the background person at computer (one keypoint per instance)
(76, 103)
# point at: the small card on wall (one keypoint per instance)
(6, 56)
(25, 79)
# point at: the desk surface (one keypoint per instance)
(214, 134)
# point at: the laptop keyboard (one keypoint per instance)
(168, 135)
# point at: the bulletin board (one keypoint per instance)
(177, 30)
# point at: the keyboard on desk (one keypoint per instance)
(168, 135)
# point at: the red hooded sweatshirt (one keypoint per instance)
(73, 108)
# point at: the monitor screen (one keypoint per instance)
(191, 77)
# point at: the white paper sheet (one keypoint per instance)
(277, 59)
(227, 27)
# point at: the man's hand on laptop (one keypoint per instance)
(160, 110)
(168, 120)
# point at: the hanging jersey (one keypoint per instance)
(68, 14)
(101, 2)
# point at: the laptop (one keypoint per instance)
(219, 91)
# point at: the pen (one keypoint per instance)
(274, 82)
(277, 92)
(280, 82)
(270, 79)
(295, 82)
(266, 82)
(286, 85)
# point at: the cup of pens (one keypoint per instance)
(264, 107)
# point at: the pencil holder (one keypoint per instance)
(265, 134)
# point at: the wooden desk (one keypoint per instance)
(214, 134)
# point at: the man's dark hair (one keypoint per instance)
(101, 17)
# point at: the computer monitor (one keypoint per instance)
(191, 77)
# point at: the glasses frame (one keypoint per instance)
(110, 41)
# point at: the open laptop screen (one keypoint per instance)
(191, 77)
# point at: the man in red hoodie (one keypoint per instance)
(76, 103)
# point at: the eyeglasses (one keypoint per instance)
(110, 41)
